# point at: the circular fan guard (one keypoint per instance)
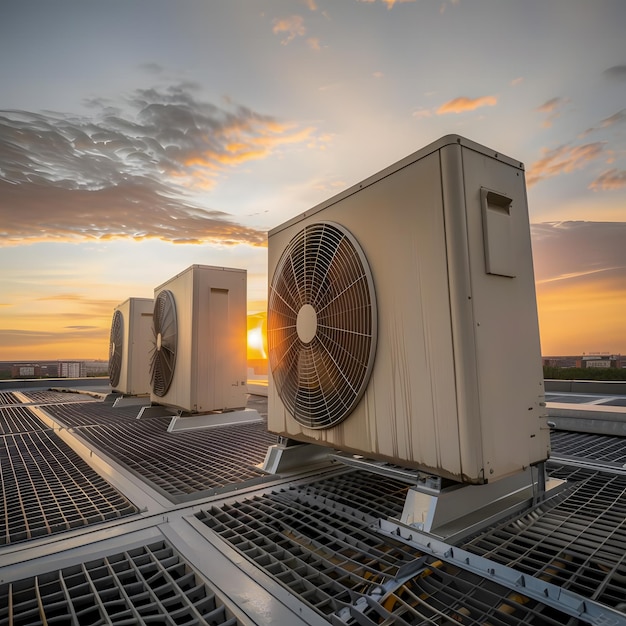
(322, 325)
(165, 329)
(116, 347)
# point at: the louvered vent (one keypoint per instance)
(163, 358)
(322, 325)
(116, 348)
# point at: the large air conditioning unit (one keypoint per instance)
(402, 319)
(129, 347)
(198, 362)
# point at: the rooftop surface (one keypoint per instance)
(110, 519)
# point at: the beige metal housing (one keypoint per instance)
(210, 369)
(134, 377)
(457, 385)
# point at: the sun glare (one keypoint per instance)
(257, 341)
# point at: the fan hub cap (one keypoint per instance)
(306, 323)
(159, 341)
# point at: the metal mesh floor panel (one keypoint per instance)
(18, 419)
(148, 585)
(590, 447)
(48, 488)
(179, 464)
(328, 554)
(576, 540)
(7, 397)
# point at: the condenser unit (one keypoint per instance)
(402, 319)
(129, 347)
(198, 361)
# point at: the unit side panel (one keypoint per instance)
(408, 413)
(140, 346)
(221, 340)
(508, 354)
(462, 316)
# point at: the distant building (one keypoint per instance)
(26, 370)
(97, 368)
(601, 361)
(72, 369)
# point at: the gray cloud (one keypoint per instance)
(129, 172)
(610, 180)
(571, 250)
(617, 72)
(32, 339)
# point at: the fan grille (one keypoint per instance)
(321, 325)
(116, 347)
(165, 329)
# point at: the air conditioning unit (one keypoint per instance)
(129, 347)
(402, 319)
(198, 361)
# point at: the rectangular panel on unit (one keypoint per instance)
(402, 318)
(199, 362)
(130, 345)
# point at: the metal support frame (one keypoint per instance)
(202, 421)
(288, 455)
(552, 595)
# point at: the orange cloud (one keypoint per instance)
(553, 108)
(462, 104)
(314, 43)
(563, 160)
(551, 105)
(292, 25)
(610, 180)
(389, 3)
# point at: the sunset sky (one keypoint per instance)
(140, 137)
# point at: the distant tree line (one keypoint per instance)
(583, 373)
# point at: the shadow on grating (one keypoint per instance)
(181, 465)
(50, 396)
(329, 555)
(148, 585)
(575, 540)
(589, 447)
(94, 414)
(47, 488)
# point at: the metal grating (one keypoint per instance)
(179, 464)
(443, 594)
(321, 325)
(48, 488)
(7, 397)
(18, 419)
(152, 584)
(328, 554)
(575, 540)
(589, 447)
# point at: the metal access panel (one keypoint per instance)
(455, 386)
(134, 378)
(211, 368)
